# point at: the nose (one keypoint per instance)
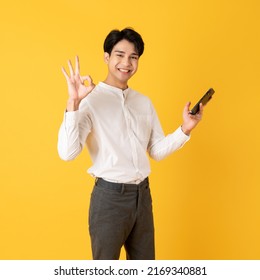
(126, 61)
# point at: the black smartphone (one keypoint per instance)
(204, 100)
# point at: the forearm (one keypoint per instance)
(169, 144)
(69, 144)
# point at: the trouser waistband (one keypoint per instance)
(121, 186)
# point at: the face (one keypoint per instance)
(122, 64)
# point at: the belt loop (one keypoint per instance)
(122, 188)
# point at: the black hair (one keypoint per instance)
(128, 34)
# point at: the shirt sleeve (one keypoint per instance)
(160, 146)
(73, 133)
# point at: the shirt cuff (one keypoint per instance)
(71, 118)
(181, 134)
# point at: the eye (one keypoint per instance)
(120, 55)
(134, 57)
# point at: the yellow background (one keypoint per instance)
(206, 196)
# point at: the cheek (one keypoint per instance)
(136, 66)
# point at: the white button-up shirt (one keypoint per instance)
(119, 127)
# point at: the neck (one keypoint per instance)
(117, 84)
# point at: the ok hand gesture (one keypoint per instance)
(76, 87)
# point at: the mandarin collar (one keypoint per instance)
(114, 89)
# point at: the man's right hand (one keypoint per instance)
(76, 87)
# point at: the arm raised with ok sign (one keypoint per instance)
(76, 85)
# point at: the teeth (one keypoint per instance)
(124, 70)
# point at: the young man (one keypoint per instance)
(119, 127)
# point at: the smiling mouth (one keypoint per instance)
(124, 70)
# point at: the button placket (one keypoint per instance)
(130, 132)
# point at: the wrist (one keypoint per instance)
(72, 105)
(185, 130)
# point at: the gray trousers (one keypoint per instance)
(121, 215)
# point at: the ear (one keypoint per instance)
(106, 57)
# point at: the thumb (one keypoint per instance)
(187, 107)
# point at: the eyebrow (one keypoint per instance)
(118, 51)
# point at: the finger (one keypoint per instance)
(65, 73)
(88, 79)
(77, 68)
(71, 68)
